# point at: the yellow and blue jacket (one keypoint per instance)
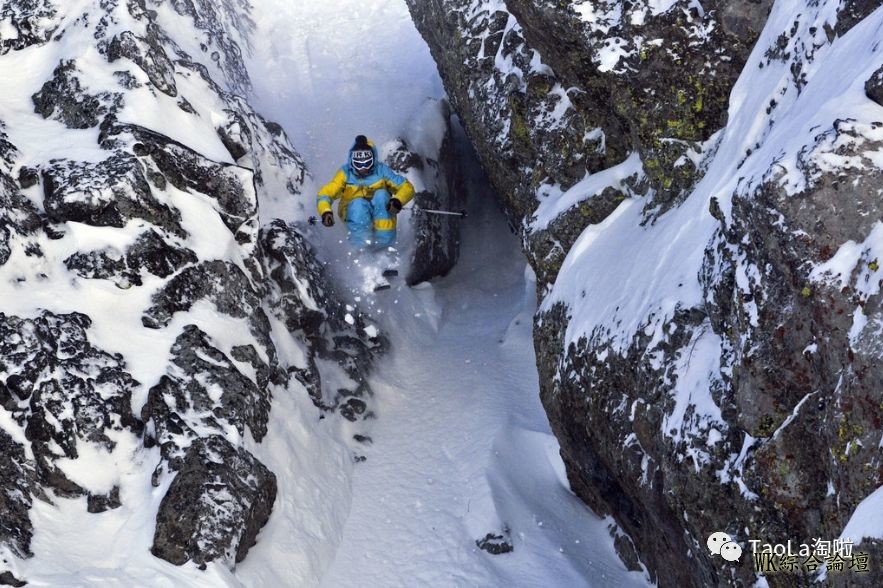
(348, 186)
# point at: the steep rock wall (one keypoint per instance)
(697, 189)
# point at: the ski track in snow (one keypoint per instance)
(461, 446)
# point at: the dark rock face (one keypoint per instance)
(19, 479)
(149, 55)
(496, 105)
(18, 216)
(235, 494)
(224, 284)
(495, 543)
(205, 390)
(150, 252)
(810, 383)
(33, 21)
(785, 441)
(577, 110)
(608, 469)
(8, 579)
(63, 98)
(104, 194)
(851, 12)
(436, 237)
(665, 98)
(63, 391)
(225, 25)
(187, 170)
(874, 87)
(96, 503)
(330, 336)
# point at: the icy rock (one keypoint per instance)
(298, 279)
(226, 26)
(108, 193)
(298, 282)
(18, 478)
(222, 283)
(235, 136)
(63, 390)
(34, 23)
(63, 98)
(150, 252)
(149, 55)
(188, 170)
(436, 237)
(217, 503)
(204, 390)
(221, 495)
(17, 216)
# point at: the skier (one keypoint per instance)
(371, 195)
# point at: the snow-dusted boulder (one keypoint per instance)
(234, 491)
(708, 268)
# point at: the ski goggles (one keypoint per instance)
(362, 160)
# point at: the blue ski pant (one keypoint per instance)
(369, 223)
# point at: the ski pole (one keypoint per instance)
(461, 214)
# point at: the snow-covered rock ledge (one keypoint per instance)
(168, 350)
(698, 187)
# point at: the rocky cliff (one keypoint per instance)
(698, 188)
(149, 316)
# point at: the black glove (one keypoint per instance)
(328, 219)
(394, 206)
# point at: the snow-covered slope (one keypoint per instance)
(462, 453)
(167, 349)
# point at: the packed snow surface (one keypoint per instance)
(462, 447)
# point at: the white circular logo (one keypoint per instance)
(716, 541)
(731, 551)
(722, 544)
